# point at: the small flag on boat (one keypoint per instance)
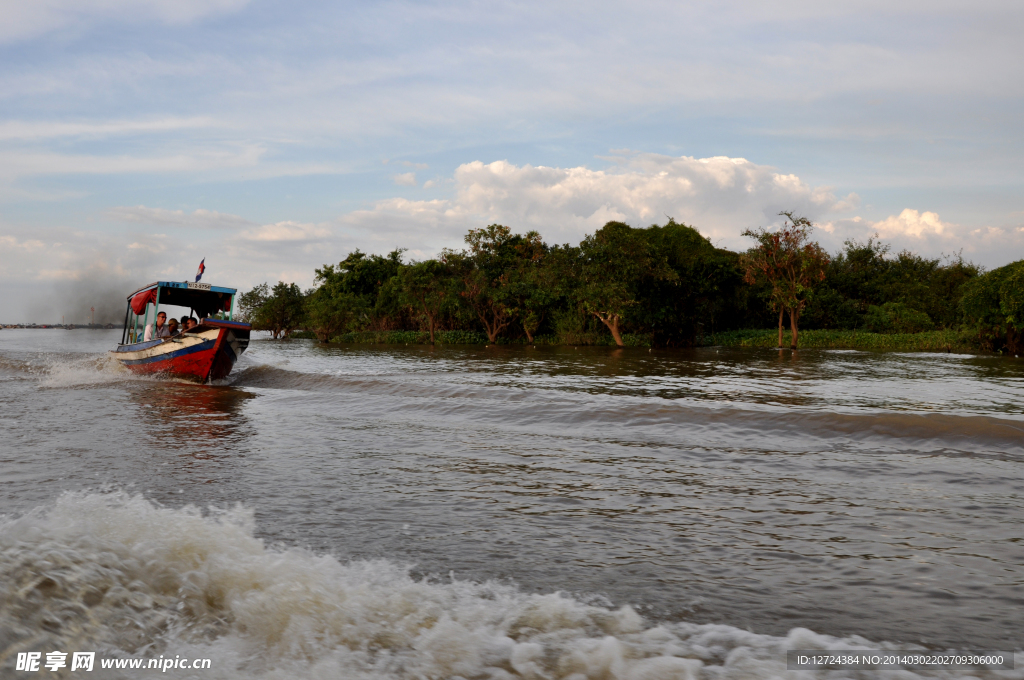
(202, 268)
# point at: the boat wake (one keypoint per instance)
(123, 576)
(539, 407)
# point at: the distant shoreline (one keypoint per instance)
(945, 341)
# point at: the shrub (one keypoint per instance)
(994, 304)
(896, 317)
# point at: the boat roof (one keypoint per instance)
(187, 285)
(202, 298)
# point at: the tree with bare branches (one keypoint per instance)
(790, 263)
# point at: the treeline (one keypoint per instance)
(661, 285)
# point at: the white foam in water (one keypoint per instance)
(74, 372)
(121, 575)
(67, 372)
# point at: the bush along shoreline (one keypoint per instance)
(660, 286)
(945, 341)
(459, 337)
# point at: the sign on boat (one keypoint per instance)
(203, 353)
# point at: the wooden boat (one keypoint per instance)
(204, 353)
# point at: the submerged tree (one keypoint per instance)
(280, 310)
(249, 303)
(331, 312)
(615, 261)
(790, 263)
(488, 273)
(427, 289)
(994, 304)
(333, 307)
(371, 279)
(678, 309)
(531, 283)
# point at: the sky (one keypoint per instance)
(138, 137)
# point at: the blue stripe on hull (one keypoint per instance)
(201, 347)
(138, 346)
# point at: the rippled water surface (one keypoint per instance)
(726, 496)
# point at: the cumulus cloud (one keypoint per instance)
(926, 233)
(720, 196)
(913, 223)
(197, 219)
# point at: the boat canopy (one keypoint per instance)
(205, 299)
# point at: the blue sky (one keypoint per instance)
(137, 137)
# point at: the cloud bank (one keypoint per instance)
(720, 196)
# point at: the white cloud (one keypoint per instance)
(18, 130)
(15, 163)
(720, 196)
(27, 19)
(286, 231)
(913, 223)
(927, 234)
(197, 219)
(26, 245)
(155, 245)
(406, 179)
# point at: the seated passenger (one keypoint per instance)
(172, 327)
(159, 332)
(183, 324)
(192, 323)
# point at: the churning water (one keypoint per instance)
(407, 512)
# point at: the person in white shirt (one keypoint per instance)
(161, 330)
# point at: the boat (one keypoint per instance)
(202, 354)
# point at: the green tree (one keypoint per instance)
(702, 292)
(896, 317)
(866, 274)
(427, 287)
(331, 312)
(790, 263)
(280, 310)
(489, 271)
(615, 262)
(371, 278)
(994, 304)
(532, 285)
(249, 303)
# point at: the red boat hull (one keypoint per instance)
(206, 353)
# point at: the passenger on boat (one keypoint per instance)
(161, 330)
(184, 323)
(172, 327)
(192, 323)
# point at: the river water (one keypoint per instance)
(415, 512)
